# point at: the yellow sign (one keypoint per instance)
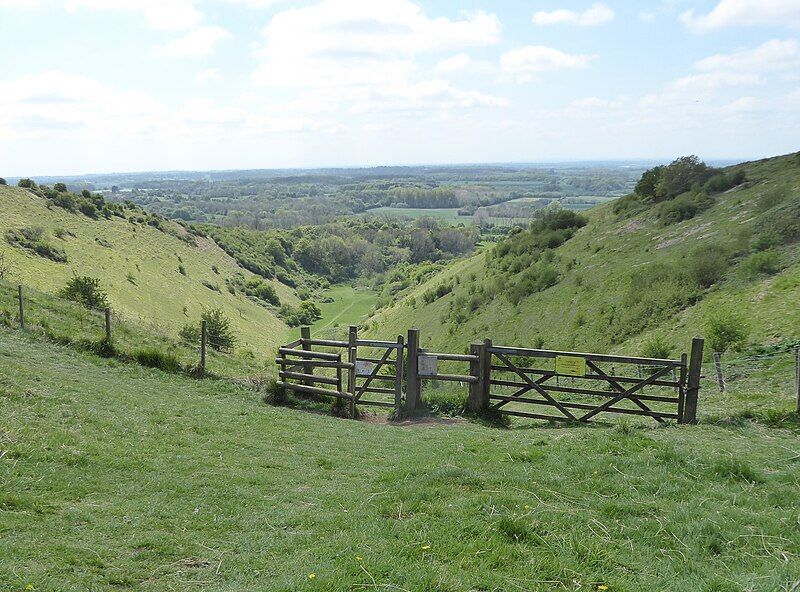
(570, 366)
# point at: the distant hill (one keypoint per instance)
(641, 271)
(152, 269)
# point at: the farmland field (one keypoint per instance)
(444, 214)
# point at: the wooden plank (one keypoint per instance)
(316, 363)
(618, 410)
(693, 383)
(309, 379)
(379, 390)
(398, 383)
(323, 343)
(606, 378)
(535, 385)
(477, 402)
(454, 357)
(626, 394)
(305, 337)
(377, 343)
(309, 355)
(293, 344)
(412, 383)
(534, 415)
(451, 378)
(313, 390)
(681, 388)
(352, 356)
(376, 360)
(582, 391)
(619, 388)
(376, 403)
(542, 353)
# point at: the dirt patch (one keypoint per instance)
(631, 226)
(680, 238)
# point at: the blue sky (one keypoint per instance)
(125, 85)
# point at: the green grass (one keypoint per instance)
(350, 306)
(138, 266)
(119, 477)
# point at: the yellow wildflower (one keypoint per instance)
(359, 558)
(29, 587)
(602, 587)
(425, 547)
(311, 576)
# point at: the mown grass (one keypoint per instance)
(349, 306)
(120, 477)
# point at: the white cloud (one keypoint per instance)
(20, 3)
(597, 14)
(714, 80)
(455, 63)
(733, 13)
(53, 103)
(197, 43)
(208, 75)
(168, 15)
(539, 58)
(366, 53)
(775, 54)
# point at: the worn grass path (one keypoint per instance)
(114, 477)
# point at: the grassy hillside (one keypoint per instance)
(139, 266)
(118, 477)
(626, 278)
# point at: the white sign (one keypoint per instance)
(427, 365)
(364, 368)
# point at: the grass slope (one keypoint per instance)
(603, 256)
(159, 293)
(115, 477)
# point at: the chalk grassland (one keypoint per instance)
(116, 477)
(139, 267)
(349, 306)
(595, 270)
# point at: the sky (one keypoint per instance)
(91, 86)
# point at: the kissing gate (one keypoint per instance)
(522, 382)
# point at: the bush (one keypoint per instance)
(305, 314)
(3, 181)
(86, 291)
(535, 279)
(181, 269)
(657, 347)
(761, 263)
(155, 358)
(26, 184)
(684, 207)
(726, 329)
(771, 198)
(707, 265)
(218, 329)
(59, 187)
(33, 239)
(275, 394)
(190, 333)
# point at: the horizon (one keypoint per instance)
(177, 85)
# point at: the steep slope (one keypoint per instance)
(139, 265)
(623, 279)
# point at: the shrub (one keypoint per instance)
(535, 279)
(86, 291)
(274, 394)
(706, 265)
(3, 181)
(684, 207)
(59, 187)
(657, 347)
(305, 314)
(26, 184)
(726, 329)
(761, 263)
(218, 329)
(771, 198)
(181, 269)
(190, 333)
(154, 358)
(33, 239)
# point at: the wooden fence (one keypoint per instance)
(533, 383)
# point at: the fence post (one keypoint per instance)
(486, 372)
(398, 374)
(21, 308)
(308, 367)
(412, 380)
(693, 387)
(352, 355)
(718, 369)
(108, 325)
(203, 339)
(797, 376)
(475, 398)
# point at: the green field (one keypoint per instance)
(117, 477)
(445, 214)
(350, 306)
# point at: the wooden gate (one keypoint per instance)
(572, 386)
(373, 369)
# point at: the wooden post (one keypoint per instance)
(21, 308)
(308, 367)
(398, 374)
(718, 368)
(108, 325)
(486, 372)
(412, 372)
(475, 402)
(693, 386)
(203, 338)
(797, 376)
(682, 387)
(352, 355)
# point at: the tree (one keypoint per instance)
(60, 187)
(218, 329)
(3, 181)
(86, 291)
(26, 184)
(726, 329)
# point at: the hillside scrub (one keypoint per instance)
(86, 291)
(34, 240)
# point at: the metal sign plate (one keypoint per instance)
(364, 368)
(427, 365)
